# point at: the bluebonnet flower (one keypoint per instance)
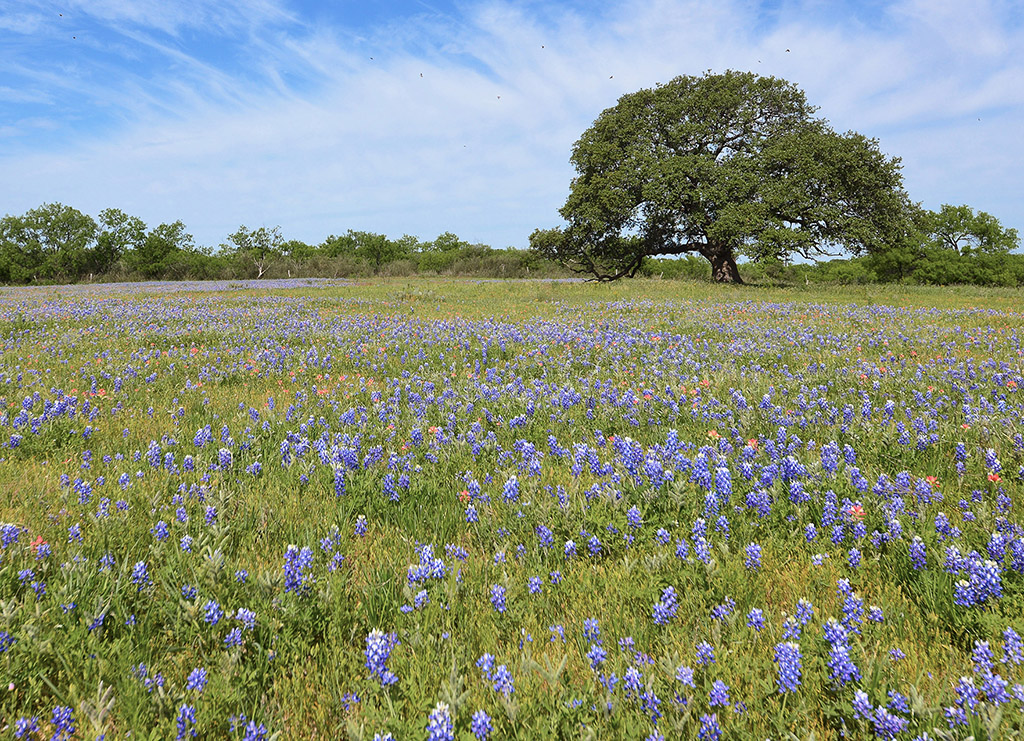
(534, 584)
(917, 553)
(898, 702)
(361, 526)
(633, 518)
(63, 721)
(665, 609)
(709, 728)
(724, 610)
(140, 575)
(596, 655)
(841, 667)
(1012, 647)
(685, 676)
(804, 611)
(480, 725)
(791, 629)
(253, 732)
(570, 549)
(186, 721)
(25, 727)
(955, 716)
(202, 437)
(862, 708)
(439, 724)
(160, 531)
(787, 656)
(984, 581)
(719, 694)
(753, 559)
(212, 612)
(966, 693)
(502, 680)
(633, 682)
(485, 664)
(982, 657)
(755, 619)
(702, 549)
(297, 563)
(196, 680)
(246, 618)
(498, 598)
(378, 649)
(591, 630)
(233, 639)
(853, 607)
(705, 653)
(887, 725)
(994, 688)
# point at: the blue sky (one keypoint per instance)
(418, 117)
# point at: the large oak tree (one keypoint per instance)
(722, 165)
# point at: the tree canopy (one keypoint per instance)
(722, 165)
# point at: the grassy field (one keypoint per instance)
(454, 509)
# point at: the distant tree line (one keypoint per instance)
(55, 243)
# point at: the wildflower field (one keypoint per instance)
(456, 510)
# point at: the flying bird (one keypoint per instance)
(787, 51)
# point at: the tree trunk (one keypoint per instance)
(723, 266)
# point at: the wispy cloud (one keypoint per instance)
(464, 121)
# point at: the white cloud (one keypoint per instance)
(372, 144)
